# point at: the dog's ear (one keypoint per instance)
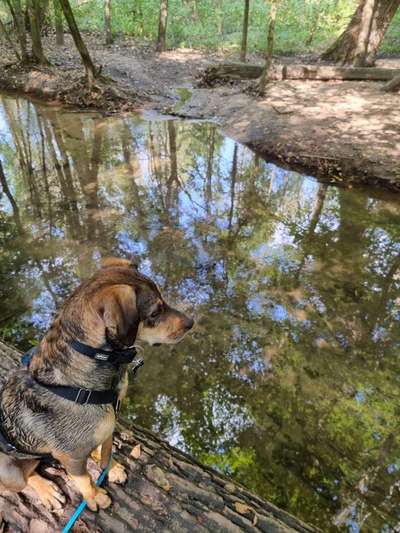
(120, 315)
(118, 262)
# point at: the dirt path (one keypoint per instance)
(346, 132)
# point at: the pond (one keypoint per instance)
(290, 381)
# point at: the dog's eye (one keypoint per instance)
(155, 314)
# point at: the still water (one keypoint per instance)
(290, 382)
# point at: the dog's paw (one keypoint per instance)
(48, 492)
(99, 500)
(102, 499)
(117, 474)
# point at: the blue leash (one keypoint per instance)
(82, 506)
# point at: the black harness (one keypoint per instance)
(78, 395)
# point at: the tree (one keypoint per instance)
(360, 41)
(162, 27)
(58, 22)
(34, 13)
(270, 47)
(91, 71)
(107, 21)
(18, 18)
(43, 11)
(4, 32)
(243, 49)
(8, 193)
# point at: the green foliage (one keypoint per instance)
(391, 42)
(302, 26)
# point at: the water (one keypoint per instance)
(290, 382)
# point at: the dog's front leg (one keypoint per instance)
(77, 469)
(117, 473)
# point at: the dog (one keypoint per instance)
(105, 315)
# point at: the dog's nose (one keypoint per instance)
(189, 323)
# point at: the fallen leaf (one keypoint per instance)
(136, 452)
(230, 487)
(126, 435)
(155, 474)
(242, 508)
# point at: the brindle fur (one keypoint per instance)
(112, 309)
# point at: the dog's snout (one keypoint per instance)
(188, 323)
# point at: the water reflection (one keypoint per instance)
(291, 382)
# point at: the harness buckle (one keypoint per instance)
(85, 398)
(137, 363)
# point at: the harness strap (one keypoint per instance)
(116, 357)
(82, 396)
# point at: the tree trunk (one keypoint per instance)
(243, 49)
(4, 32)
(384, 13)
(162, 27)
(166, 490)
(107, 21)
(58, 17)
(18, 18)
(34, 20)
(360, 41)
(209, 171)
(270, 47)
(42, 7)
(234, 172)
(11, 199)
(363, 37)
(90, 69)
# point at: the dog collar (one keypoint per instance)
(116, 357)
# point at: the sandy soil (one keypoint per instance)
(346, 132)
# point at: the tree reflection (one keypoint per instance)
(290, 382)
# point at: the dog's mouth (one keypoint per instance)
(157, 344)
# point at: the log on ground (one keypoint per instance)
(226, 72)
(166, 490)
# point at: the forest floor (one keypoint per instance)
(346, 132)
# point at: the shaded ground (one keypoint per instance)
(348, 132)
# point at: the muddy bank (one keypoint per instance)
(344, 132)
(56, 86)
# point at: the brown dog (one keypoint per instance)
(110, 311)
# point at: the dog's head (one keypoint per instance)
(131, 307)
